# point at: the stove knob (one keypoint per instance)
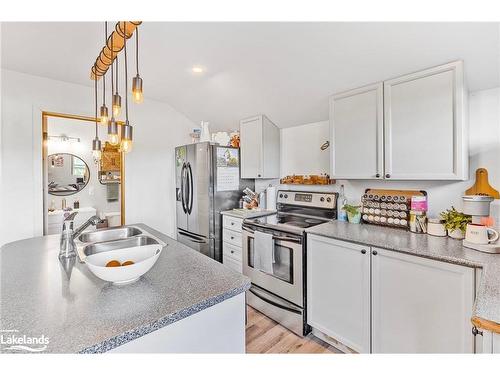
(328, 200)
(286, 196)
(322, 199)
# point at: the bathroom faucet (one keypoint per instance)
(67, 248)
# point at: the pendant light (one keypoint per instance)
(104, 109)
(137, 94)
(126, 143)
(117, 99)
(113, 137)
(96, 143)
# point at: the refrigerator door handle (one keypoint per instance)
(183, 201)
(190, 199)
(192, 237)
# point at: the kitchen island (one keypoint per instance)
(186, 303)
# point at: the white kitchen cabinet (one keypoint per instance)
(413, 127)
(232, 253)
(356, 125)
(260, 148)
(425, 127)
(420, 305)
(338, 291)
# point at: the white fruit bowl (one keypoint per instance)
(144, 257)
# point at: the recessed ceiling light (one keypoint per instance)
(197, 69)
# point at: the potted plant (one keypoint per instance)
(455, 222)
(353, 213)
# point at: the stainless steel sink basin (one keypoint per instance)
(118, 244)
(109, 234)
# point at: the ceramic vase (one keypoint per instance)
(456, 234)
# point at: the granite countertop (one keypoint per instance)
(487, 304)
(80, 313)
(248, 214)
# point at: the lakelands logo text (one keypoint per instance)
(12, 341)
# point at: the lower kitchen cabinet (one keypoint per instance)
(232, 255)
(420, 305)
(381, 301)
(338, 291)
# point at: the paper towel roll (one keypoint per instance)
(271, 198)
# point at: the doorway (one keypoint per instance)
(73, 180)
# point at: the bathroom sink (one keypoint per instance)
(104, 235)
(131, 242)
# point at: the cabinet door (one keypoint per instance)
(356, 123)
(338, 291)
(270, 149)
(251, 147)
(424, 125)
(420, 305)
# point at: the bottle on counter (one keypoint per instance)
(341, 202)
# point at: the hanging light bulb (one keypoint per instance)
(117, 99)
(126, 142)
(113, 137)
(104, 114)
(96, 143)
(127, 130)
(137, 94)
(104, 109)
(117, 105)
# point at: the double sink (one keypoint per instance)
(103, 240)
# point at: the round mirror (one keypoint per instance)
(67, 174)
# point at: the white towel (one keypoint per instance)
(263, 250)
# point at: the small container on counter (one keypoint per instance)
(435, 227)
(419, 203)
(418, 222)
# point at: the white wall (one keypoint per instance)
(484, 138)
(301, 152)
(150, 179)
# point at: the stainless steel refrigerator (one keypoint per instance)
(207, 182)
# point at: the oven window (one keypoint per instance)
(283, 260)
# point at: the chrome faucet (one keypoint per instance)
(67, 247)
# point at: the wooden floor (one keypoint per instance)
(264, 335)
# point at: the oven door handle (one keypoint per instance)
(276, 304)
(276, 238)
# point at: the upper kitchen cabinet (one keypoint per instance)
(408, 128)
(260, 148)
(425, 125)
(357, 133)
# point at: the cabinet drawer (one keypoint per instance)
(232, 223)
(233, 264)
(232, 237)
(232, 251)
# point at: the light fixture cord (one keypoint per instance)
(116, 74)
(126, 74)
(95, 92)
(104, 76)
(137, 50)
(112, 76)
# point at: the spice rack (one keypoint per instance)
(388, 207)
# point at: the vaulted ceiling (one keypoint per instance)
(285, 70)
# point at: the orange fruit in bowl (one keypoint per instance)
(127, 263)
(113, 263)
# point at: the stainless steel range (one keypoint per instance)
(276, 265)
